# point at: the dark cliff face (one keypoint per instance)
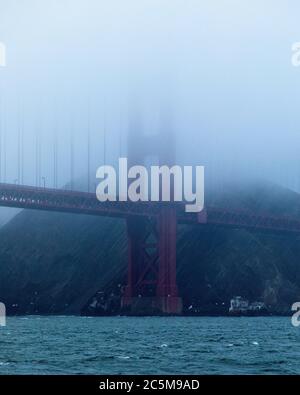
(54, 263)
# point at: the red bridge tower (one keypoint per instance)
(151, 286)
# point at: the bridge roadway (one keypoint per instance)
(67, 201)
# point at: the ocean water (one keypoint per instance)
(149, 345)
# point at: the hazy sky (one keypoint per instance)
(223, 67)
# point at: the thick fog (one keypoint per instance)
(220, 69)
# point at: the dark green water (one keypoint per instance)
(185, 345)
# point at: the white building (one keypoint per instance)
(238, 305)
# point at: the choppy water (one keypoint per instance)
(120, 345)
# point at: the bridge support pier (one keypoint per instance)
(151, 286)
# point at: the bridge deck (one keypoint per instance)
(27, 197)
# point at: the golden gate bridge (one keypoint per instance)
(151, 226)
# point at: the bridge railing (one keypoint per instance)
(86, 203)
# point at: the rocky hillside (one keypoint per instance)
(54, 263)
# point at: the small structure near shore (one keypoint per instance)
(240, 306)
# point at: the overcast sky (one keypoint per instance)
(221, 67)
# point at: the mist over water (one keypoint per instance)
(220, 69)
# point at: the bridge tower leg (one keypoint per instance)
(151, 286)
(167, 292)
